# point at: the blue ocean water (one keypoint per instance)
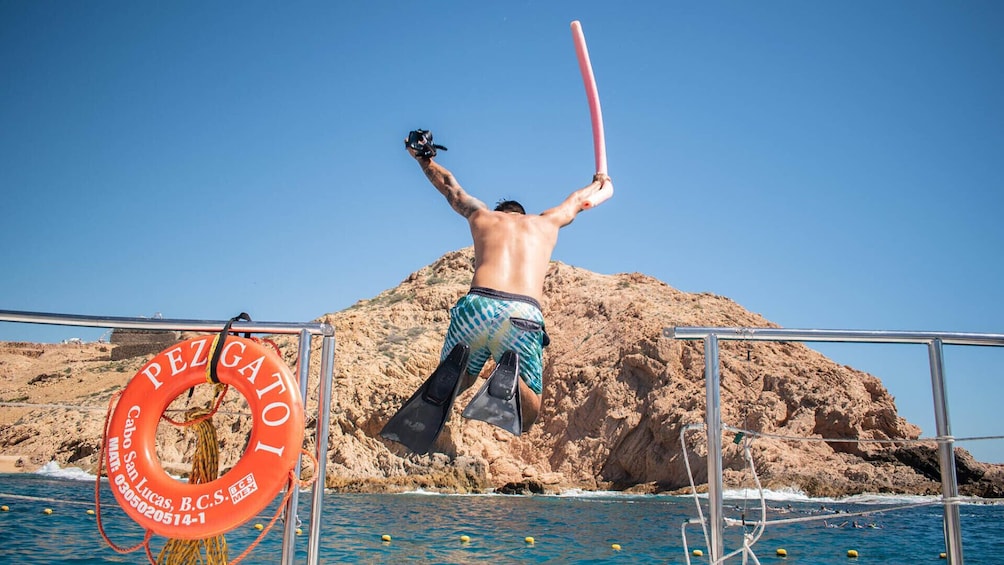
(573, 528)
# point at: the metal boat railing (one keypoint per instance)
(945, 440)
(305, 332)
(710, 335)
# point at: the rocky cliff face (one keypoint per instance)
(617, 395)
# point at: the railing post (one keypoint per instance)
(289, 531)
(946, 454)
(321, 441)
(713, 422)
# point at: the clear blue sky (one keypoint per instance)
(827, 165)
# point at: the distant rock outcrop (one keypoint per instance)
(133, 343)
(617, 396)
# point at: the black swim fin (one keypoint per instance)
(498, 400)
(421, 419)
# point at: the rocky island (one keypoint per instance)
(617, 395)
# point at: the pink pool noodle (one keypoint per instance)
(595, 113)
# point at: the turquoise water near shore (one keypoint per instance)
(572, 528)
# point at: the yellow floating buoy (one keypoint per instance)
(782, 552)
(385, 538)
(698, 553)
(852, 553)
(615, 547)
(529, 540)
(943, 554)
(259, 527)
(465, 539)
(90, 512)
(299, 532)
(4, 508)
(47, 511)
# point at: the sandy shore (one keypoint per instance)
(8, 464)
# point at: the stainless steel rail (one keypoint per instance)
(934, 341)
(305, 331)
(163, 323)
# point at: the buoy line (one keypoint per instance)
(816, 518)
(5, 496)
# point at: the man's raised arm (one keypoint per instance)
(564, 213)
(447, 185)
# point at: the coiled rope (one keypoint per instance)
(205, 468)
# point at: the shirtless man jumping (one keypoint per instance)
(512, 252)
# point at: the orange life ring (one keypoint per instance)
(176, 509)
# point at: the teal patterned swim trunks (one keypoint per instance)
(492, 322)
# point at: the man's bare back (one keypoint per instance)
(512, 251)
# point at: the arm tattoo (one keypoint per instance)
(466, 205)
(463, 203)
(430, 174)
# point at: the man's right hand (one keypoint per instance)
(420, 145)
(412, 151)
(603, 179)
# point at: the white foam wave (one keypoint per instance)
(797, 495)
(422, 491)
(783, 495)
(52, 469)
(579, 493)
(888, 499)
(789, 494)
